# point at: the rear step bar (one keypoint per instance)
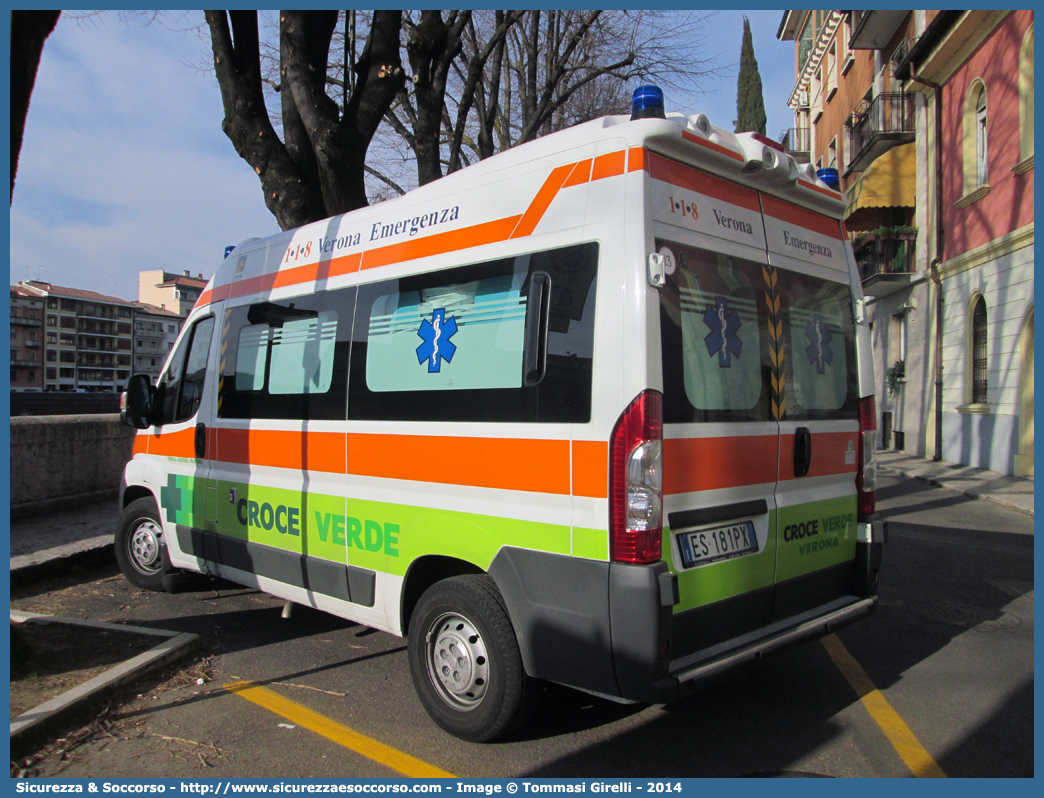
(686, 672)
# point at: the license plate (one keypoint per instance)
(720, 543)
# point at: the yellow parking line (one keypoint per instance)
(331, 730)
(898, 733)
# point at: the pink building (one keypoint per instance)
(974, 70)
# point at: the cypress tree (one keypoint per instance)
(750, 104)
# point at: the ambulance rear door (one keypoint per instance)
(816, 398)
(721, 436)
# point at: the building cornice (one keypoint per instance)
(997, 248)
(815, 58)
(958, 43)
(1023, 166)
(973, 196)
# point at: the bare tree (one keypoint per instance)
(519, 75)
(474, 84)
(567, 66)
(435, 47)
(317, 169)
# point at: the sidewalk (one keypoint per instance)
(1013, 492)
(55, 542)
(60, 543)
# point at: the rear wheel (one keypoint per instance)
(140, 549)
(465, 660)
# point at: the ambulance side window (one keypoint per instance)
(181, 387)
(451, 345)
(287, 359)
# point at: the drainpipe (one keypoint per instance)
(939, 230)
(938, 359)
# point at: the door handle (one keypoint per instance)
(802, 451)
(538, 310)
(201, 441)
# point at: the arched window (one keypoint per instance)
(979, 353)
(981, 171)
(974, 147)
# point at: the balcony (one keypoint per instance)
(797, 142)
(25, 322)
(872, 30)
(886, 261)
(92, 329)
(94, 363)
(883, 123)
(141, 332)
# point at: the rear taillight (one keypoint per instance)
(636, 481)
(866, 477)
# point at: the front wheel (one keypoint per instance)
(140, 549)
(465, 660)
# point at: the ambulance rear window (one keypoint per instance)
(819, 345)
(712, 337)
(745, 341)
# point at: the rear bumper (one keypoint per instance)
(685, 674)
(610, 628)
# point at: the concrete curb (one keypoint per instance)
(971, 492)
(22, 575)
(30, 726)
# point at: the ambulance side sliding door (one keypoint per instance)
(280, 468)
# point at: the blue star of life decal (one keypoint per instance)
(436, 335)
(722, 339)
(819, 352)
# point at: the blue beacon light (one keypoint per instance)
(830, 177)
(647, 103)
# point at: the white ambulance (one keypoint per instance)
(597, 410)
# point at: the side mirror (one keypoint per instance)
(136, 403)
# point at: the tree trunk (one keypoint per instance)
(29, 30)
(319, 170)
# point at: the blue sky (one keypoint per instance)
(124, 166)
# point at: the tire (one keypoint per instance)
(140, 549)
(488, 695)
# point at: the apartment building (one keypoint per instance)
(928, 117)
(170, 291)
(27, 369)
(974, 73)
(155, 332)
(88, 338)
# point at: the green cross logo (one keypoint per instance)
(176, 499)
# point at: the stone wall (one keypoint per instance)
(63, 461)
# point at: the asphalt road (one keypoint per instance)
(950, 651)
